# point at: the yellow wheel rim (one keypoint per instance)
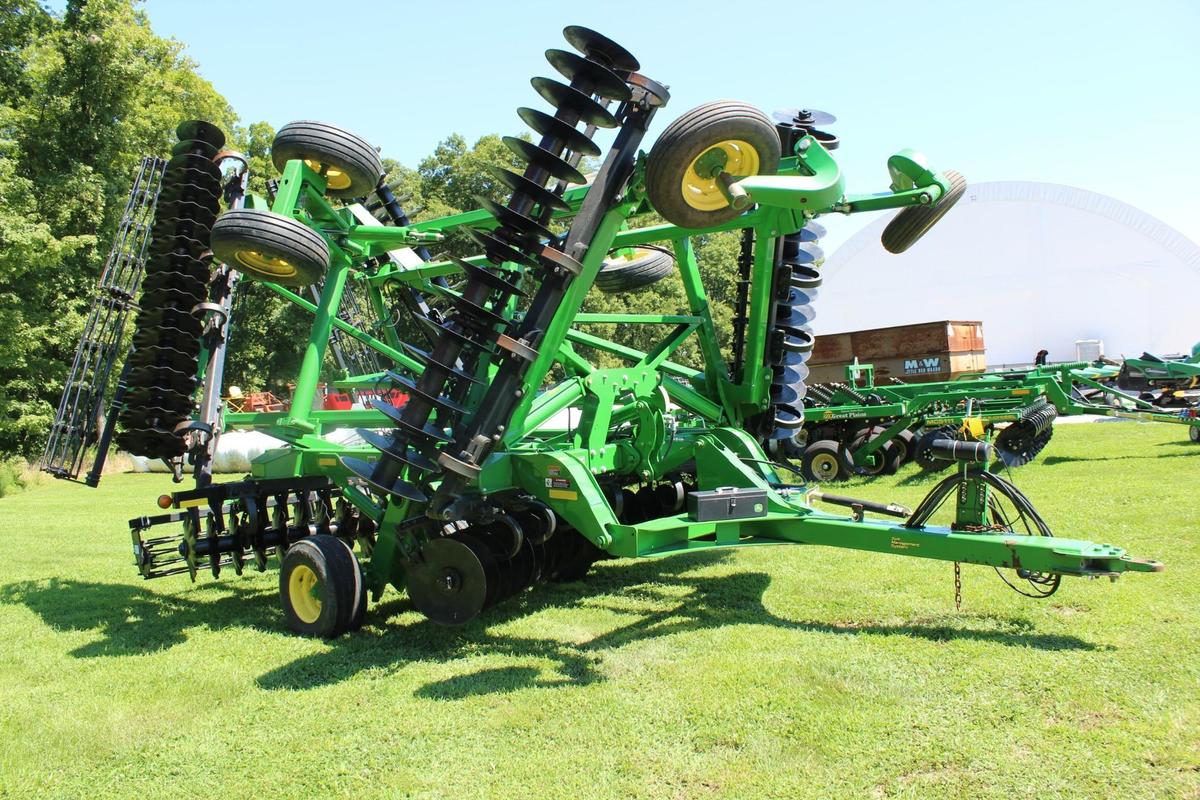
(631, 254)
(702, 192)
(303, 594)
(264, 264)
(824, 465)
(334, 177)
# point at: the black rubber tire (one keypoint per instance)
(893, 457)
(887, 459)
(694, 133)
(1194, 434)
(264, 232)
(331, 146)
(358, 614)
(910, 224)
(832, 462)
(625, 275)
(907, 441)
(335, 568)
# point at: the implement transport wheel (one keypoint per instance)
(1194, 434)
(358, 613)
(682, 168)
(270, 247)
(825, 461)
(349, 164)
(635, 271)
(320, 587)
(911, 223)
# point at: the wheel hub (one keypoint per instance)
(304, 593)
(450, 581)
(825, 466)
(334, 178)
(700, 188)
(265, 264)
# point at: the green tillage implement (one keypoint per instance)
(1176, 379)
(836, 422)
(465, 495)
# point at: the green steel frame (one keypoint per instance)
(650, 420)
(638, 422)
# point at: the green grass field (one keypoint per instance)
(786, 672)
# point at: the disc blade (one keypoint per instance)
(804, 117)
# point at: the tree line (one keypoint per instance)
(84, 94)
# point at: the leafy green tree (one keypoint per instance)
(455, 174)
(83, 95)
(21, 22)
(37, 329)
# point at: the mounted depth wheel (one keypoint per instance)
(270, 247)
(1194, 434)
(911, 223)
(639, 269)
(349, 164)
(320, 586)
(683, 166)
(826, 461)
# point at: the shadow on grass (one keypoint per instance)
(134, 620)
(1052, 460)
(922, 476)
(651, 598)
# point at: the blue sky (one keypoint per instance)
(1101, 95)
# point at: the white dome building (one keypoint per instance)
(1041, 265)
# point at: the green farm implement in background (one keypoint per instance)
(859, 427)
(515, 458)
(1169, 381)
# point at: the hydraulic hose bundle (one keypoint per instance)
(1018, 515)
(160, 374)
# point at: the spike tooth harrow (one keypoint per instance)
(82, 407)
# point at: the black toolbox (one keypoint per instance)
(726, 502)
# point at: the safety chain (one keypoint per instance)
(957, 586)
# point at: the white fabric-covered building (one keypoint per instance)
(1041, 265)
